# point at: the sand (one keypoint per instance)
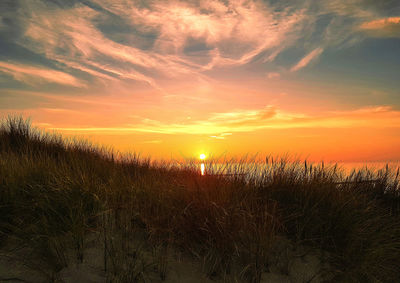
(287, 263)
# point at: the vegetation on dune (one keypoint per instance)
(55, 193)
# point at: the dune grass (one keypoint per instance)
(56, 192)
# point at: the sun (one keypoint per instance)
(202, 156)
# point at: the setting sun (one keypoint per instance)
(202, 156)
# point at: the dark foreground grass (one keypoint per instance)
(55, 193)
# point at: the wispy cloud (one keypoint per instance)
(221, 136)
(273, 75)
(386, 27)
(124, 42)
(381, 23)
(231, 32)
(37, 75)
(313, 55)
(85, 47)
(153, 142)
(185, 39)
(220, 125)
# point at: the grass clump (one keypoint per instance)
(56, 194)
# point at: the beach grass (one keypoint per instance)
(58, 193)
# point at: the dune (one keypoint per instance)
(74, 212)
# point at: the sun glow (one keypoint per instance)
(202, 169)
(202, 165)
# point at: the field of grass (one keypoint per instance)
(57, 194)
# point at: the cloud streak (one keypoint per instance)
(125, 42)
(386, 27)
(312, 56)
(221, 125)
(38, 75)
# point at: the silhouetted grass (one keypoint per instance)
(56, 192)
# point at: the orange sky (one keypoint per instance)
(173, 79)
(187, 128)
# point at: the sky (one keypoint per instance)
(174, 79)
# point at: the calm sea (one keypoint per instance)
(347, 167)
